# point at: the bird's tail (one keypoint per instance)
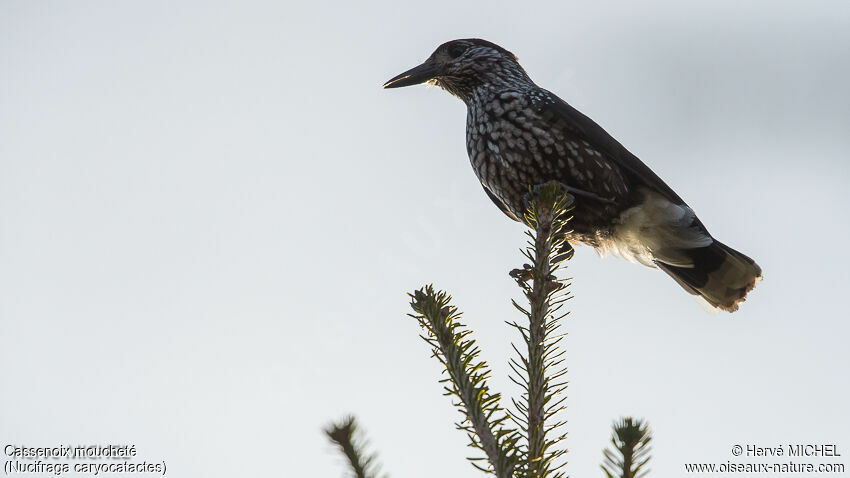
(720, 275)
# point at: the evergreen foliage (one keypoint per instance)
(630, 450)
(522, 441)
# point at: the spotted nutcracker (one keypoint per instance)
(519, 135)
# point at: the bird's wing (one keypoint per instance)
(560, 114)
(498, 202)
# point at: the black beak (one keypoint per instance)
(414, 76)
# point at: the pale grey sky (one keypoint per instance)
(210, 213)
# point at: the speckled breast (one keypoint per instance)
(512, 147)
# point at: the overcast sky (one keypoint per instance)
(210, 213)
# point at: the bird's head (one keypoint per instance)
(463, 67)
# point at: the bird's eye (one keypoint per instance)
(456, 51)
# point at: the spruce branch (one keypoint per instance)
(630, 452)
(529, 450)
(344, 435)
(540, 370)
(452, 344)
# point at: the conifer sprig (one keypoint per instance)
(540, 371)
(629, 454)
(531, 448)
(344, 435)
(452, 344)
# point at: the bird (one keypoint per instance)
(519, 135)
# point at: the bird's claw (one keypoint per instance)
(522, 275)
(535, 190)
